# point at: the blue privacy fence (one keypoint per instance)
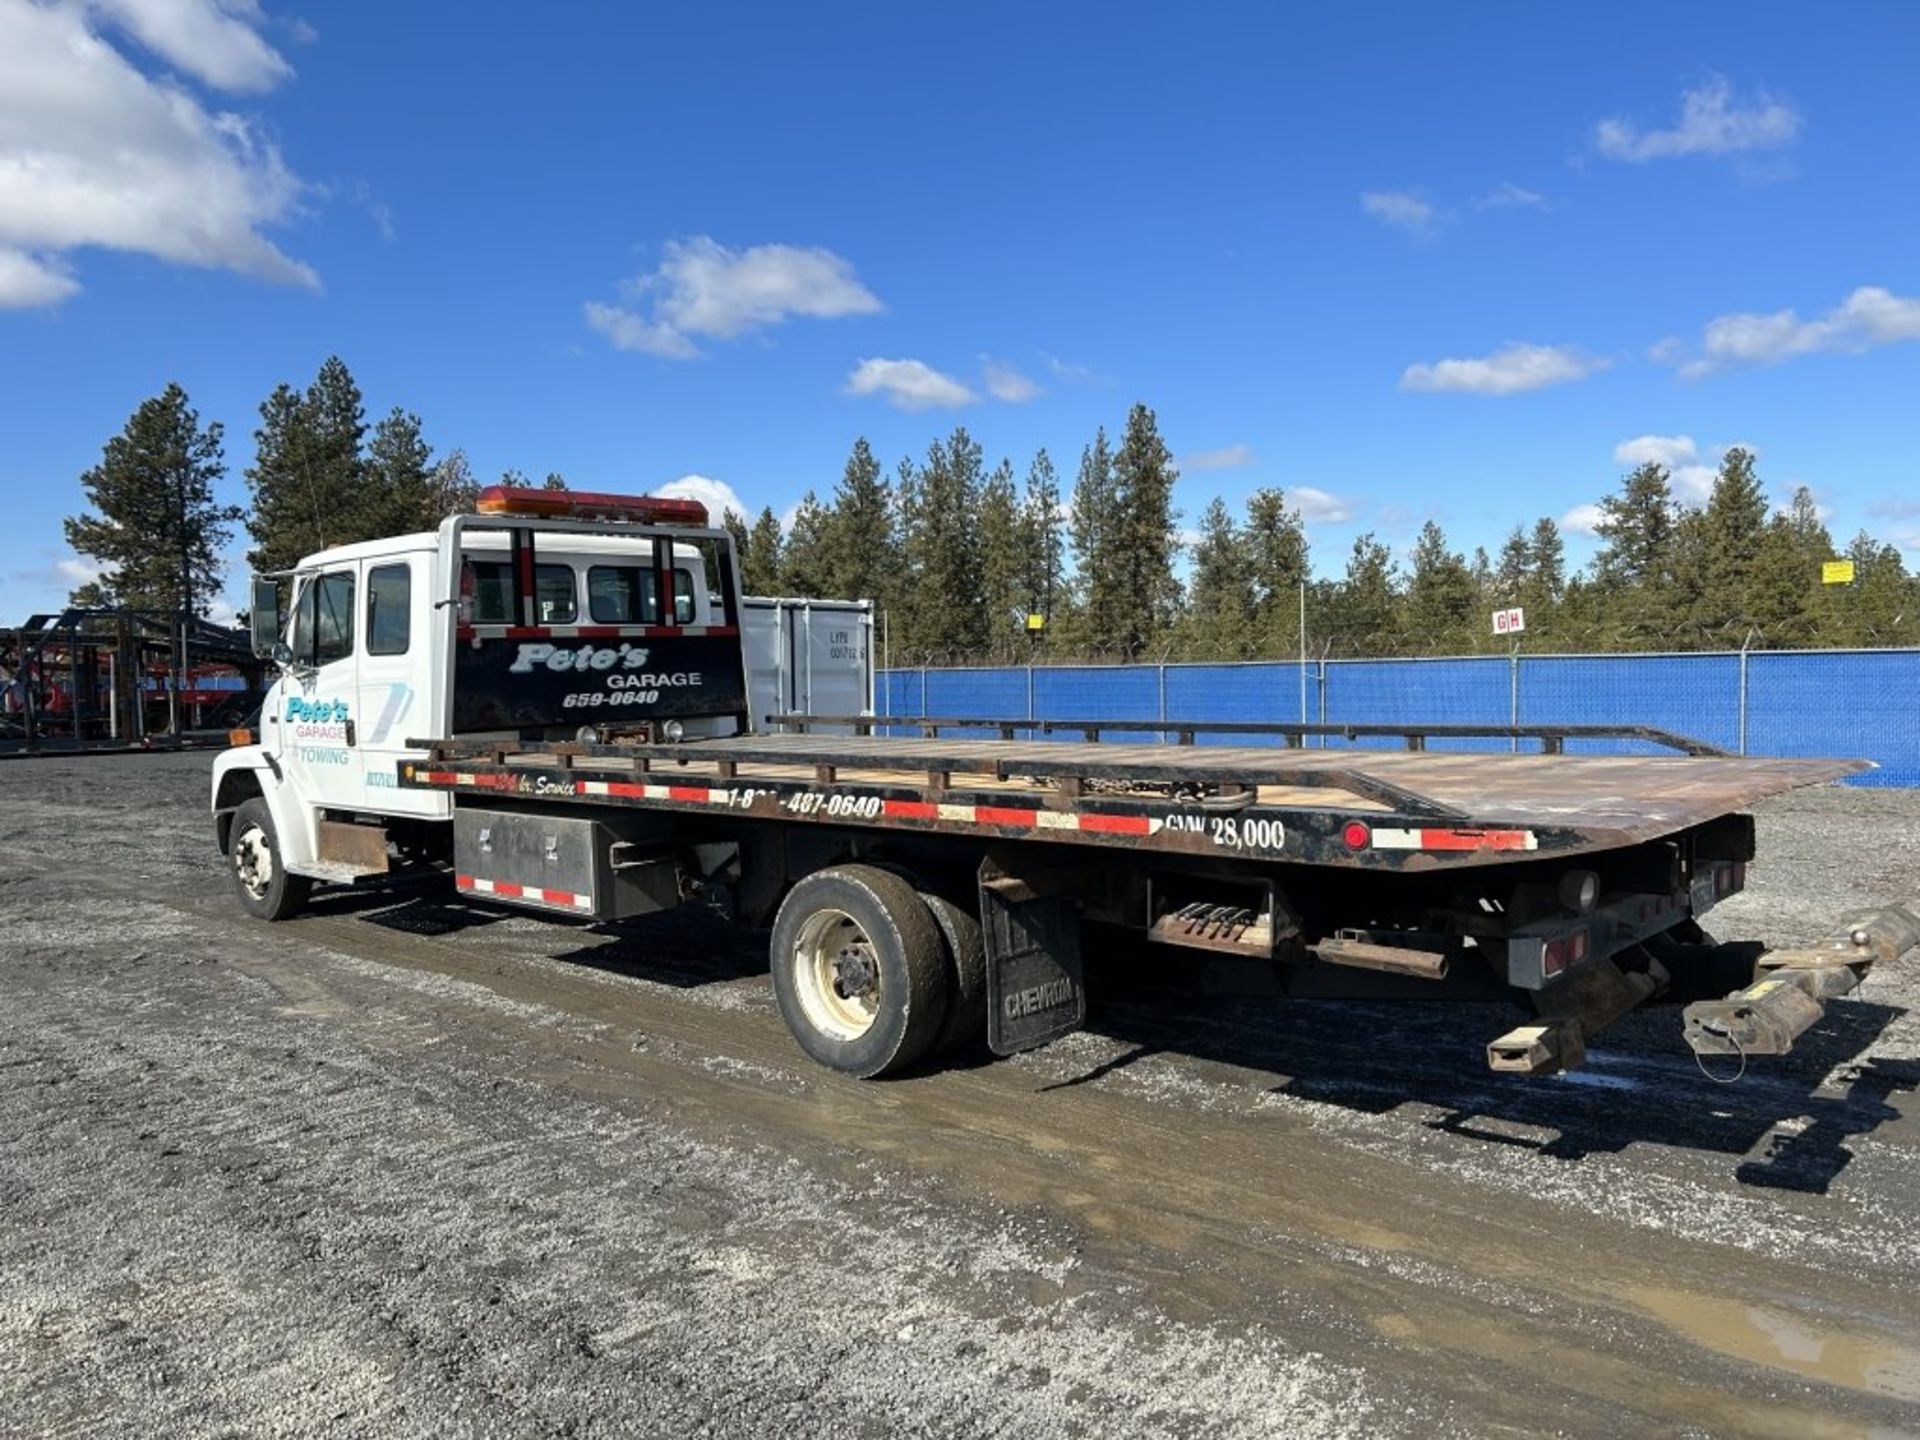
(1857, 703)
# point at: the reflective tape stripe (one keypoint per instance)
(507, 890)
(1437, 839)
(1003, 816)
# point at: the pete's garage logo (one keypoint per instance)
(587, 657)
(317, 712)
(324, 721)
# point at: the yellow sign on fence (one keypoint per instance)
(1836, 572)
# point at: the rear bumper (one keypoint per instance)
(1540, 953)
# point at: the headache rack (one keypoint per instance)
(1552, 738)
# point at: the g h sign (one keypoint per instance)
(1509, 622)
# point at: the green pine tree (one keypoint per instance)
(1733, 527)
(308, 474)
(1042, 548)
(400, 479)
(1360, 609)
(805, 562)
(1000, 547)
(1145, 541)
(1634, 571)
(1276, 542)
(1218, 623)
(944, 610)
(1515, 569)
(1545, 585)
(154, 524)
(1093, 528)
(1441, 596)
(862, 543)
(762, 556)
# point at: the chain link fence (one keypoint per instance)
(1853, 703)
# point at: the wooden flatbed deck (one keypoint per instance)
(1424, 808)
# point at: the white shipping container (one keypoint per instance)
(807, 657)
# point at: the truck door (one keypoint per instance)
(319, 718)
(392, 682)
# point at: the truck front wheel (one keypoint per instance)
(266, 889)
(859, 970)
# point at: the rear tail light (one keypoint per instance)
(1560, 953)
(1357, 836)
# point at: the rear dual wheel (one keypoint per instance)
(870, 973)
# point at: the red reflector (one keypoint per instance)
(1357, 836)
(590, 505)
(1557, 955)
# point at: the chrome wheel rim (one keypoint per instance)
(253, 861)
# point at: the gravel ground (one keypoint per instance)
(409, 1167)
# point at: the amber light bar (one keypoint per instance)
(590, 505)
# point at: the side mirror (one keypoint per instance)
(282, 654)
(264, 619)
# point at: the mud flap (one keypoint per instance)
(1031, 926)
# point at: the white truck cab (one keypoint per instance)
(549, 614)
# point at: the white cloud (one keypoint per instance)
(1871, 316)
(212, 40)
(1401, 209)
(1232, 457)
(1318, 505)
(1007, 384)
(1508, 371)
(1667, 450)
(702, 289)
(1712, 122)
(908, 385)
(93, 152)
(1073, 373)
(1582, 520)
(77, 570)
(25, 281)
(1508, 195)
(718, 496)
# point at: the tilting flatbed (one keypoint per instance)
(550, 699)
(1410, 810)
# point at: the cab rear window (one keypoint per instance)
(630, 595)
(493, 594)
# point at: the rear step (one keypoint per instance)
(1791, 994)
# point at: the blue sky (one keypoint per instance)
(1467, 262)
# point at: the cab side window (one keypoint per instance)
(323, 623)
(389, 606)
